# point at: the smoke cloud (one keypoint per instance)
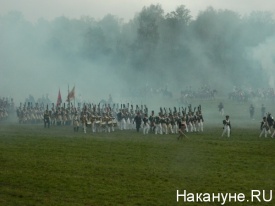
(153, 56)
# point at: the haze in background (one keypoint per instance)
(49, 10)
(161, 49)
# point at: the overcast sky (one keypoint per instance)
(126, 9)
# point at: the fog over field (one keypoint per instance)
(153, 50)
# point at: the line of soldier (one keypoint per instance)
(171, 122)
(29, 114)
(165, 122)
(39, 113)
(6, 107)
(106, 118)
(98, 117)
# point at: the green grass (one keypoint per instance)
(59, 167)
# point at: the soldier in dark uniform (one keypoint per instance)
(152, 122)
(226, 126)
(46, 119)
(137, 120)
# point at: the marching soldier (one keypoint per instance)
(84, 121)
(169, 124)
(59, 117)
(152, 122)
(174, 123)
(137, 120)
(200, 121)
(104, 122)
(46, 119)
(128, 120)
(158, 129)
(226, 126)
(264, 127)
(76, 123)
(163, 124)
(146, 126)
(190, 126)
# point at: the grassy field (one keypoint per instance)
(59, 167)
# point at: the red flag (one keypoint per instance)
(59, 99)
(71, 95)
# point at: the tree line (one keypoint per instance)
(174, 45)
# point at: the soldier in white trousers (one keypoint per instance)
(226, 126)
(264, 127)
(146, 126)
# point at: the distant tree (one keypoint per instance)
(147, 35)
(173, 34)
(95, 43)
